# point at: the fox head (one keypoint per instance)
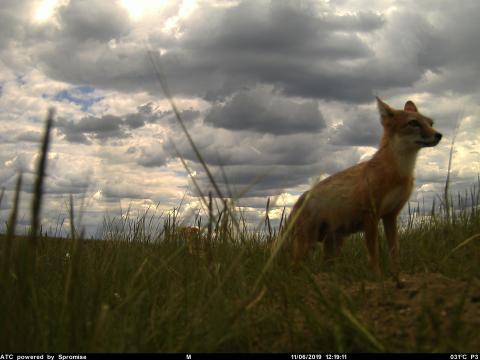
(408, 126)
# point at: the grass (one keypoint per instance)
(143, 296)
(153, 287)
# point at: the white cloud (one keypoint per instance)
(45, 10)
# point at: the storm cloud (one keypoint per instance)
(310, 50)
(103, 128)
(262, 112)
(113, 127)
(300, 50)
(261, 162)
(358, 128)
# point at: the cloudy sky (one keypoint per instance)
(276, 94)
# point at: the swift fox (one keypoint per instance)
(357, 198)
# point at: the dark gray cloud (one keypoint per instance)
(307, 50)
(135, 120)
(61, 184)
(358, 128)
(250, 180)
(264, 163)
(12, 20)
(187, 116)
(360, 22)
(151, 156)
(276, 28)
(261, 112)
(115, 192)
(291, 47)
(28, 136)
(146, 113)
(226, 147)
(89, 20)
(298, 49)
(111, 127)
(451, 40)
(91, 127)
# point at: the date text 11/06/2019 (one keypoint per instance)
(320, 357)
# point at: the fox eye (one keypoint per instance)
(413, 123)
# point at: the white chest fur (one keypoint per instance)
(404, 156)
(393, 199)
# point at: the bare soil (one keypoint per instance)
(431, 312)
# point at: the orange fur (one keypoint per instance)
(193, 237)
(189, 231)
(356, 199)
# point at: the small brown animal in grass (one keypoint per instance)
(356, 199)
(193, 237)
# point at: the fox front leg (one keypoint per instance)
(390, 227)
(391, 233)
(371, 239)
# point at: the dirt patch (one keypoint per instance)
(430, 312)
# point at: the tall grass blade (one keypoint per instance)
(210, 217)
(74, 258)
(267, 219)
(462, 244)
(1, 195)
(39, 180)
(446, 196)
(11, 224)
(72, 221)
(190, 174)
(362, 330)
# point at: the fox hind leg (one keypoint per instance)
(303, 240)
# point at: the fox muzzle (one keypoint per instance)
(429, 142)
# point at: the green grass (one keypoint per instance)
(167, 296)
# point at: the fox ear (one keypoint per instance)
(410, 106)
(384, 109)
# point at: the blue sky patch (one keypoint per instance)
(85, 89)
(80, 95)
(20, 79)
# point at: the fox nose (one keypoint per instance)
(438, 136)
